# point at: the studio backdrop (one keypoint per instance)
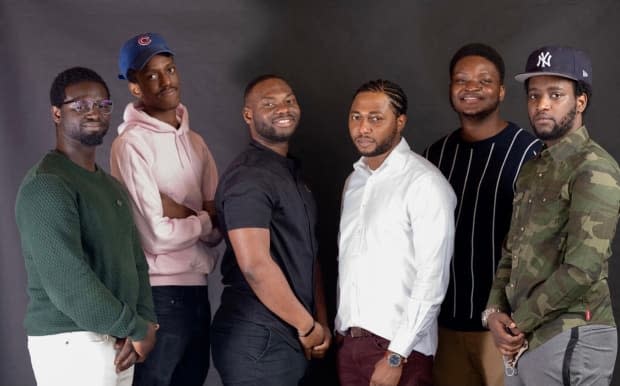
(325, 48)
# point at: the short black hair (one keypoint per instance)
(483, 50)
(396, 95)
(131, 76)
(72, 76)
(259, 79)
(579, 87)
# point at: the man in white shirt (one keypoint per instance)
(396, 240)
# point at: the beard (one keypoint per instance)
(269, 132)
(88, 138)
(478, 115)
(382, 147)
(560, 129)
(93, 139)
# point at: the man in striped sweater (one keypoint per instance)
(481, 159)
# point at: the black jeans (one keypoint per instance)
(181, 354)
(249, 354)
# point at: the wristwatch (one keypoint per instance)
(395, 360)
(486, 313)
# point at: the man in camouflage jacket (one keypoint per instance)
(550, 291)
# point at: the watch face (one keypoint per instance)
(394, 360)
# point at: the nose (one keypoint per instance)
(164, 80)
(472, 84)
(282, 108)
(543, 103)
(363, 126)
(94, 111)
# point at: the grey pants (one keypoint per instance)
(580, 356)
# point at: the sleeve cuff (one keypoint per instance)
(205, 224)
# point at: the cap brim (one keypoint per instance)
(526, 75)
(162, 51)
(146, 60)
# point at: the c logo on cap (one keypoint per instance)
(144, 40)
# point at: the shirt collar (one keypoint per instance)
(288, 160)
(567, 145)
(396, 158)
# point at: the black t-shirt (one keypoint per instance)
(262, 189)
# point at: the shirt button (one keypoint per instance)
(540, 174)
(522, 229)
(511, 285)
(544, 199)
(529, 201)
(119, 202)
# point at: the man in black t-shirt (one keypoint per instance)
(481, 160)
(272, 316)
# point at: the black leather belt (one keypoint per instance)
(358, 332)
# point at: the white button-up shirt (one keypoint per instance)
(395, 245)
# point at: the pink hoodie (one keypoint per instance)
(149, 157)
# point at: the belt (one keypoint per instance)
(358, 332)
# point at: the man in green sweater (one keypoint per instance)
(90, 315)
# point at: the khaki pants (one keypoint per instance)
(467, 359)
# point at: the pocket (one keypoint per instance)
(549, 209)
(380, 343)
(166, 303)
(258, 344)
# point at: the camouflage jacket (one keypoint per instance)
(553, 272)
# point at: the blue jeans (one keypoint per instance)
(181, 354)
(249, 354)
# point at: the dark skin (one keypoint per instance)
(549, 100)
(271, 108)
(69, 126)
(157, 87)
(506, 335)
(373, 125)
(476, 86)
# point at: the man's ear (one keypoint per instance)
(247, 115)
(134, 89)
(502, 93)
(401, 120)
(56, 114)
(582, 102)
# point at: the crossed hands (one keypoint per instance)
(130, 352)
(316, 344)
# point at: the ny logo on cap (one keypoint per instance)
(544, 59)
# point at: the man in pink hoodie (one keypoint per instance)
(172, 177)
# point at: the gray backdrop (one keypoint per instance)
(326, 49)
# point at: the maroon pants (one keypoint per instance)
(357, 358)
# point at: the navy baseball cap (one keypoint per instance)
(137, 51)
(566, 62)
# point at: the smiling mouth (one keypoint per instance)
(284, 121)
(471, 98)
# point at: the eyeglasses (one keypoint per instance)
(83, 106)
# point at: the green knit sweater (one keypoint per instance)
(86, 269)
